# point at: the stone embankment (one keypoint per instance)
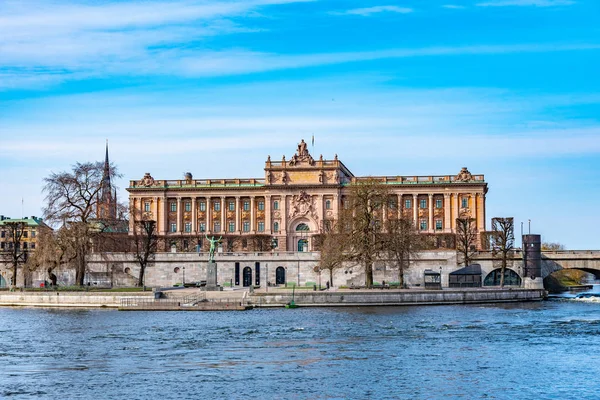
(397, 297)
(279, 298)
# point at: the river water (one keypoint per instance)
(544, 350)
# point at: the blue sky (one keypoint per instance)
(507, 88)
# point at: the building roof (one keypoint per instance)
(29, 221)
(473, 269)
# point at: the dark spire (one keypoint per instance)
(106, 192)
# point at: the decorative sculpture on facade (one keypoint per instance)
(147, 180)
(302, 155)
(464, 175)
(302, 205)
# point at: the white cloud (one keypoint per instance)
(536, 3)
(453, 6)
(368, 11)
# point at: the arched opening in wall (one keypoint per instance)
(2, 282)
(511, 278)
(302, 227)
(247, 276)
(565, 279)
(127, 270)
(280, 276)
(176, 270)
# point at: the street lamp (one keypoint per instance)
(183, 276)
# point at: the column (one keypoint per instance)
(165, 215)
(447, 213)
(154, 209)
(268, 222)
(194, 216)
(454, 210)
(208, 213)
(283, 226)
(430, 204)
(475, 215)
(223, 215)
(416, 210)
(179, 216)
(252, 214)
(238, 206)
(321, 210)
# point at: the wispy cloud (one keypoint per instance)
(368, 11)
(453, 6)
(536, 3)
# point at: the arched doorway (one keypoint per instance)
(2, 282)
(247, 279)
(280, 276)
(302, 245)
(511, 278)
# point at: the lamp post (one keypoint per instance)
(440, 276)
(183, 268)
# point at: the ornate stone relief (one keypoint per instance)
(302, 205)
(302, 155)
(147, 180)
(464, 175)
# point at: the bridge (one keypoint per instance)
(583, 260)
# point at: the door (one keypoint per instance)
(247, 276)
(280, 276)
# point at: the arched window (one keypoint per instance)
(275, 226)
(511, 278)
(302, 227)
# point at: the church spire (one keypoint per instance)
(107, 202)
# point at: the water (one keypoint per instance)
(541, 350)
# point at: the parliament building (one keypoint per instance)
(292, 202)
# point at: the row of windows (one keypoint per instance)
(9, 245)
(261, 206)
(4, 234)
(187, 227)
(438, 225)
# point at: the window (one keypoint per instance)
(465, 202)
(33, 233)
(202, 226)
(3, 234)
(188, 227)
(217, 206)
(188, 206)
(202, 206)
(246, 226)
(423, 225)
(147, 206)
(423, 203)
(407, 203)
(173, 207)
(231, 206)
(2, 245)
(232, 227)
(275, 226)
(276, 205)
(261, 226)
(32, 245)
(438, 203)
(438, 224)
(302, 227)
(24, 234)
(217, 226)
(246, 205)
(328, 204)
(392, 205)
(25, 246)
(261, 206)
(173, 227)
(275, 243)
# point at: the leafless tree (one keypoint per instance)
(14, 252)
(503, 243)
(72, 201)
(333, 245)
(361, 220)
(145, 244)
(552, 246)
(466, 239)
(402, 243)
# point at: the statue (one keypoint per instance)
(302, 149)
(213, 242)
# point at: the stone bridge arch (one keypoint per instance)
(582, 260)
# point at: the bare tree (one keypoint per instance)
(72, 200)
(145, 243)
(50, 252)
(552, 246)
(466, 239)
(14, 252)
(361, 219)
(333, 245)
(503, 243)
(402, 243)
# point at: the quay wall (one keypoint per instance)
(67, 299)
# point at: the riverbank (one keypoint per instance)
(273, 298)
